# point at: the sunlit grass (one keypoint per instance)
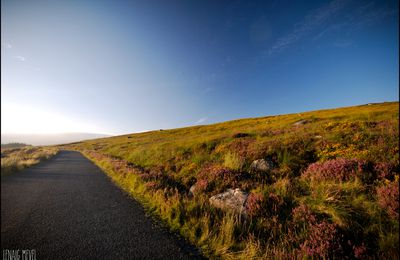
(13, 160)
(315, 172)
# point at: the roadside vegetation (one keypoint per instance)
(331, 189)
(16, 159)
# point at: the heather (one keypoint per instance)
(388, 198)
(16, 159)
(328, 188)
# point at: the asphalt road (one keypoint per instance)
(67, 208)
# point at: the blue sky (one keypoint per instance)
(128, 66)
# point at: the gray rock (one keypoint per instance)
(231, 200)
(301, 122)
(192, 190)
(261, 165)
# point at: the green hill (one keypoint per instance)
(328, 187)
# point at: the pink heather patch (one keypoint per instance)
(339, 169)
(385, 170)
(321, 240)
(220, 176)
(303, 214)
(388, 198)
(254, 204)
(322, 236)
(360, 251)
(201, 185)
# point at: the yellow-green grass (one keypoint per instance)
(16, 159)
(159, 167)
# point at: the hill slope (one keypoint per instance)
(330, 187)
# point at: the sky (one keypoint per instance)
(118, 67)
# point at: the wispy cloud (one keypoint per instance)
(329, 29)
(8, 45)
(201, 120)
(316, 22)
(310, 22)
(369, 14)
(20, 58)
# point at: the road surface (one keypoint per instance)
(67, 208)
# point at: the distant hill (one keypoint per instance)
(13, 145)
(49, 139)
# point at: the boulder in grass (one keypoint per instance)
(261, 165)
(301, 122)
(232, 200)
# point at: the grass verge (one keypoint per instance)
(13, 160)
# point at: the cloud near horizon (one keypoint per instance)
(201, 120)
(20, 58)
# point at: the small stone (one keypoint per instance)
(192, 190)
(301, 122)
(231, 200)
(261, 165)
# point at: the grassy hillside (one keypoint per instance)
(332, 189)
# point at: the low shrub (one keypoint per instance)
(385, 170)
(219, 178)
(318, 238)
(388, 198)
(254, 204)
(340, 169)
